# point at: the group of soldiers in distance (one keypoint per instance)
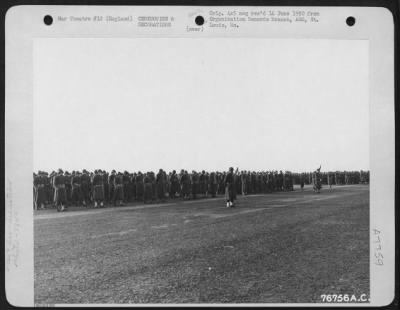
(83, 188)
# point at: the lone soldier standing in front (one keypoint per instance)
(229, 182)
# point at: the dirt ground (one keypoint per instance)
(288, 247)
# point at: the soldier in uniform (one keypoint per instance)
(85, 187)
(284, 181)
(221, 185)
(207, 182)
(174, 184)
(212, 185)
(130, 188)
(259, 182)
(68, 187)
(160, 181)
(47, 188)
(106, 186)
(317, 180)
(280, 180)
(133, 185)
(185, 185)
(153, 185)
(118, 189)
(40, 193)
(76, 195)
(330, 179)
(229, 182)
(98, 188)
(139, 186)
(346, 178)
(234, 188)
(274, 181)
(195, 184)
(218, 178)
(269, 182)
(302, 177)
(148, 187)
(60, 194)
(111, 185)
(125, 182)
(248, 183)
(253, 183)
(52, 191)
(238, 184)
(290, 181)
(202, 183)
(91, 174)
(166, 186)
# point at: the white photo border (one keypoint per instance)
(24, 24)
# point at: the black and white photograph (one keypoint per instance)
(203, 168)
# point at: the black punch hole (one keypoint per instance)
(48, 20)
(350, 21)
(199, 20)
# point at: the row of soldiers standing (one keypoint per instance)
(334, 177)
(99, 187)
(64, 189)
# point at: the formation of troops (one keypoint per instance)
(62, 189)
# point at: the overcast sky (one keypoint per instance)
(145, 104)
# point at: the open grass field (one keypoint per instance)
(280, 247)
